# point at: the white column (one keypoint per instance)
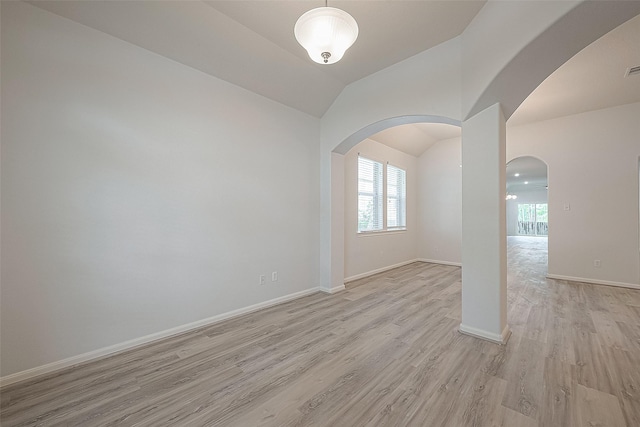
(332, 222)
(484, 251)
(337, 222)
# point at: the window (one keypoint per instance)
(533, 219)
(396, 198)
(373, 215)
(369, 195)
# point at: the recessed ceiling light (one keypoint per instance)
(526, 182)
(516, 174)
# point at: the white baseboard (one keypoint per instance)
(333, 290)
(486, 335)
(594, 281)
(435, 261)
(378, 270)
(128, 345)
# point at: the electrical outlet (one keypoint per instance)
(596, 263)
(263, 279)
(274, 276)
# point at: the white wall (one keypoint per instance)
(592, 161)
(426, 83)
(138, 194)
(432, 83)
(533, 196)
(365, 253)
(506, 38)
(440, 202)
(494, 38)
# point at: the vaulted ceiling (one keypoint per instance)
(595, 78)
(251, 44)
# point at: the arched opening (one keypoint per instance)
(527, 215)
(386, 214)
(342, 161)
(502, 92)
(382, 125)
(485, 271)
(527, 186)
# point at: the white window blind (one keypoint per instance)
(370, 213)
(396, 198)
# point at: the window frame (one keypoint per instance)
(400, 197)
(384, 196)
(376, 196)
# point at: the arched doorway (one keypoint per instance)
(388, 177)
(527, 197)
(487, 100)
(334, 242)
(527, 215)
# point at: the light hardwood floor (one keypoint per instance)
(385, 352)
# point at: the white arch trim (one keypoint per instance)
(519, 156)
(537, 60)
(381, 125)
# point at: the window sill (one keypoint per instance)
(380, 232)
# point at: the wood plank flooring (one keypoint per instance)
(385, 352)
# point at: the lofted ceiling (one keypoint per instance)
(415, 139)
(250, 43)
(389, 31)
(592, 80)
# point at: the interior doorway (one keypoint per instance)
(527, 216)
(527, 197)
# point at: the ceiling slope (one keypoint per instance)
(592, 80)
(251, 43)
(203, 38)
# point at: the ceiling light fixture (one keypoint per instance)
(516, 174)
(326, 33)
(511, 197)
(526, 182)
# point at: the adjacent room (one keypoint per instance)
(204, 221)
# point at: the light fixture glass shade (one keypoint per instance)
(326, 33)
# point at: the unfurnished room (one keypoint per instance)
(320, 213)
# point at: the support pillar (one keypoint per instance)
(484, 251)
(337, 223)
(332, 222)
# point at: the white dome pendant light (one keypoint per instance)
(326, 33)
